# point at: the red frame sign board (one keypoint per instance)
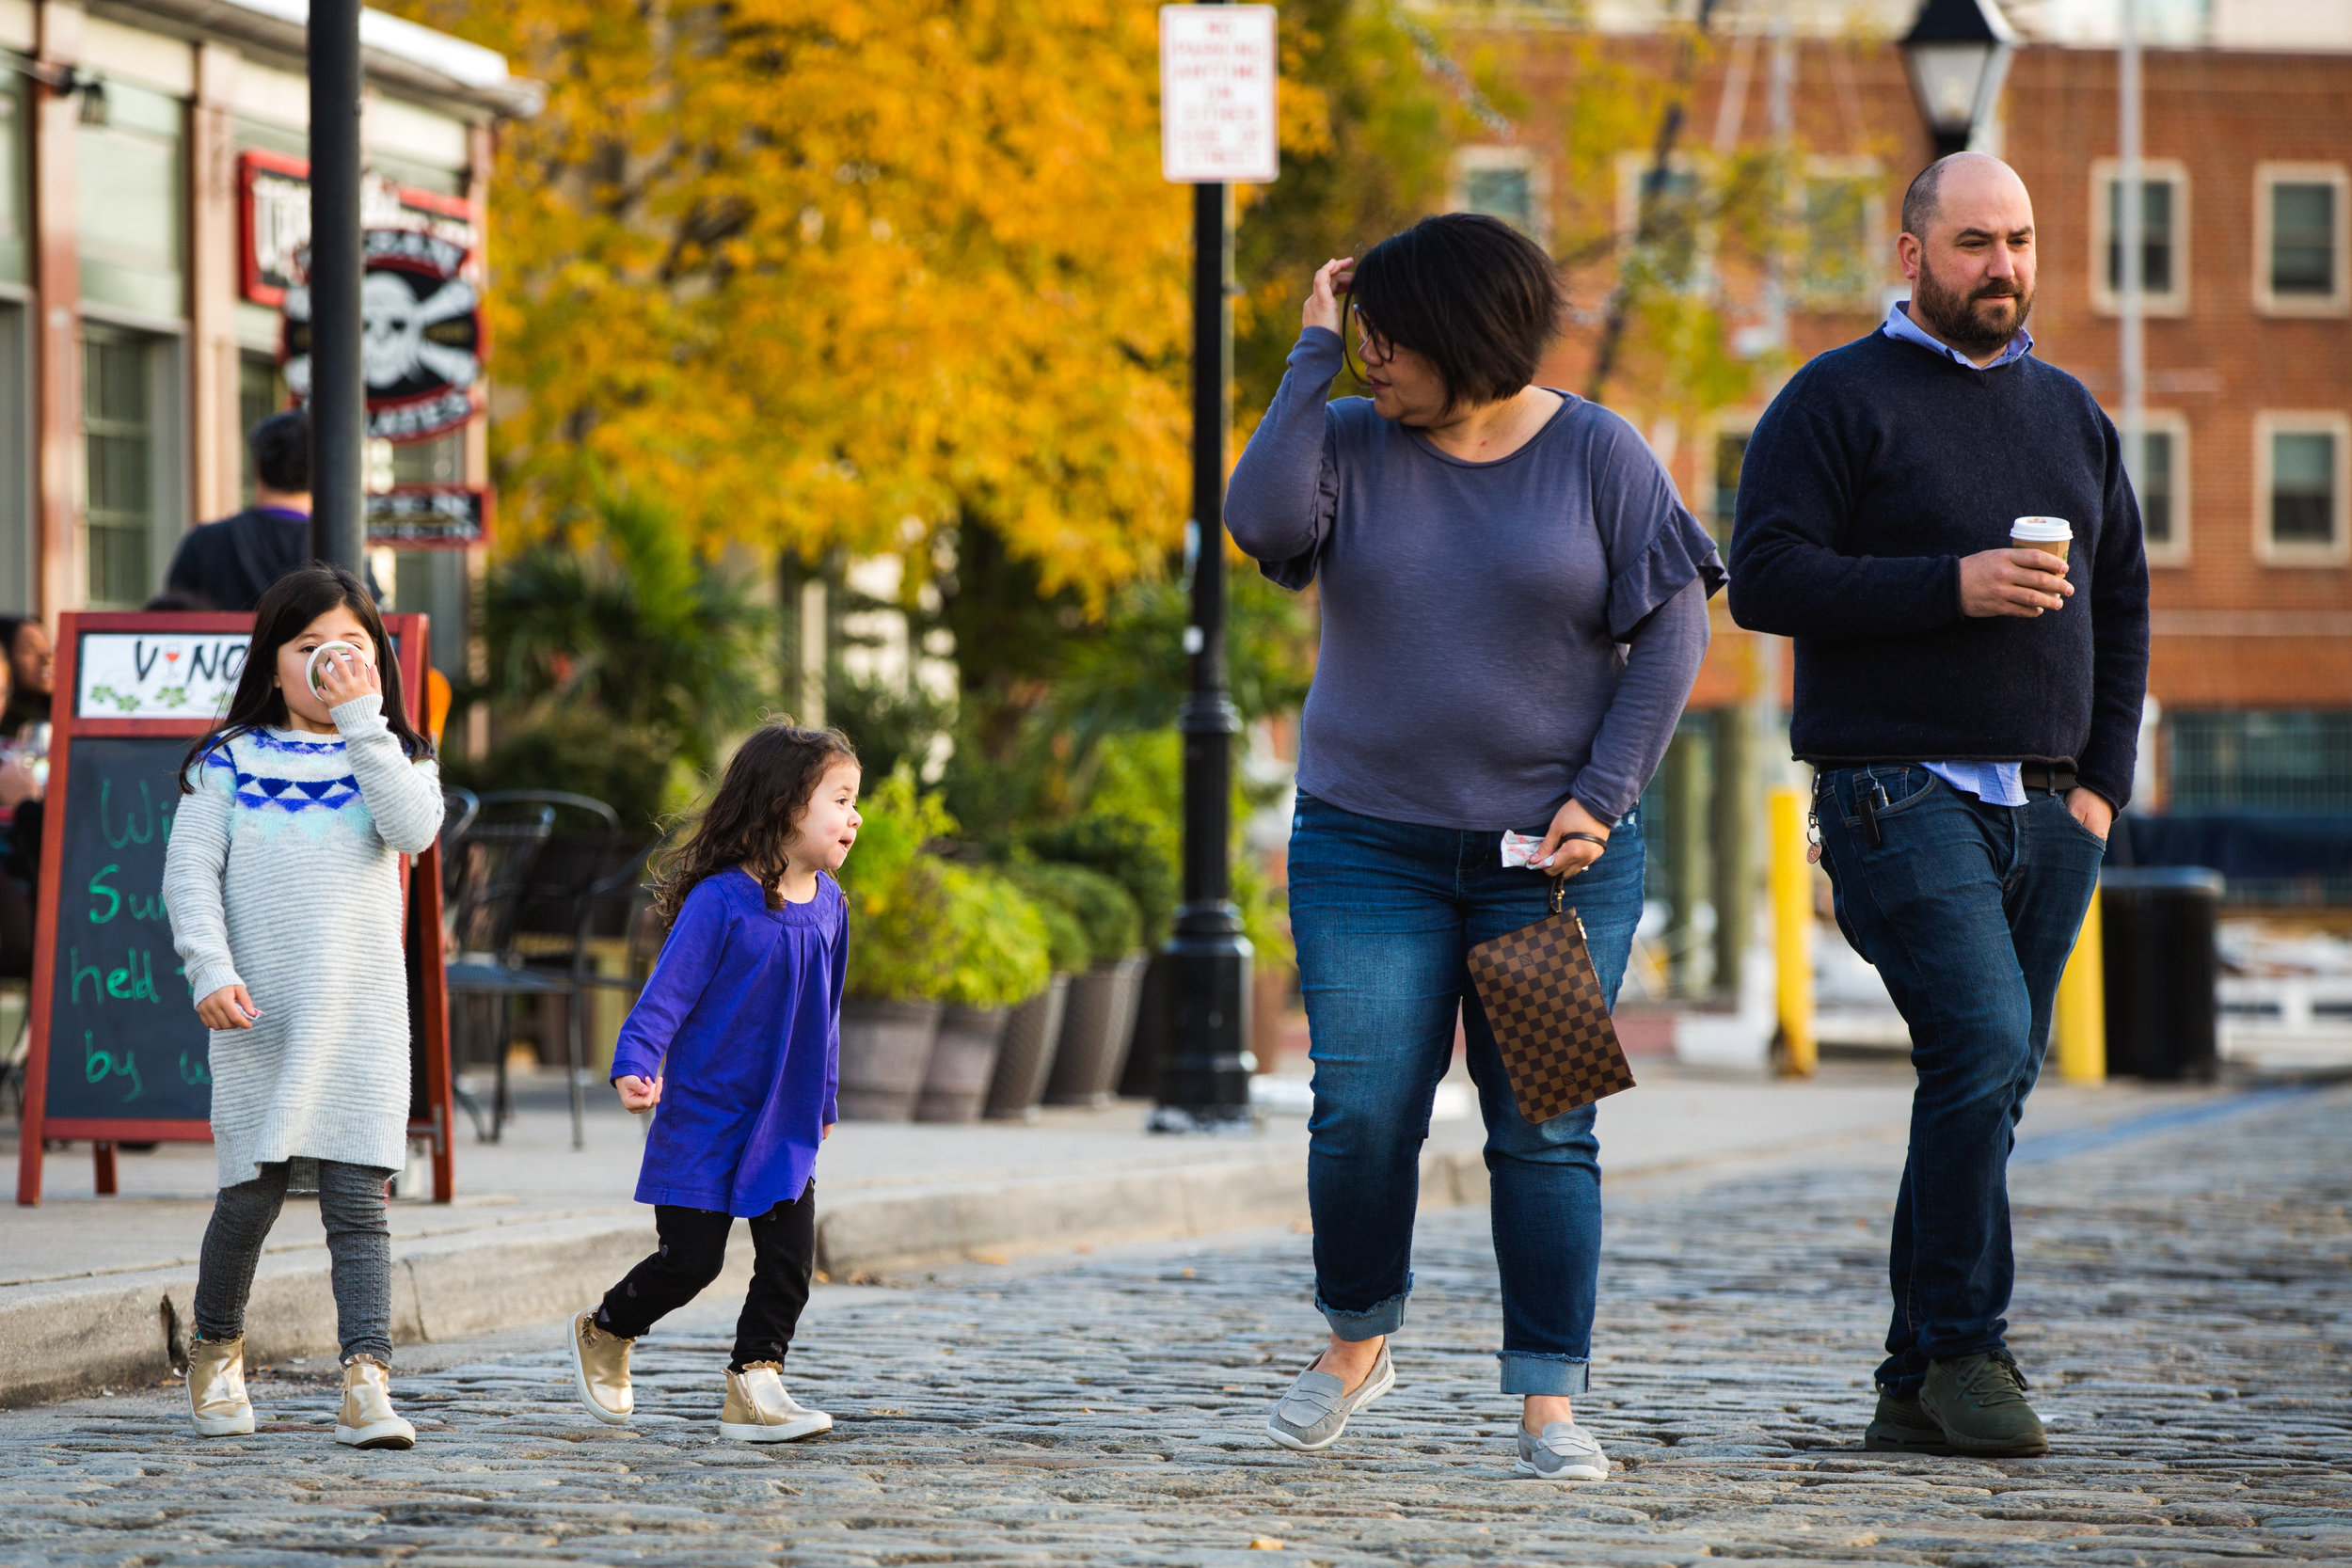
(75, 829)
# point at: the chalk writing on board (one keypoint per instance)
(98, 1066)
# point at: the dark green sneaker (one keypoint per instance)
(1901, 1426)
(1979, 1401)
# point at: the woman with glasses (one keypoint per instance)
(1514, 607)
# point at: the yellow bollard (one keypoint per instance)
(1792, 932)
(2080, 1018)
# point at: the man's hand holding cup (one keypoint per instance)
(2022, 580)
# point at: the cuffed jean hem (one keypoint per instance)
(1371, 1323)
(1532, 1372)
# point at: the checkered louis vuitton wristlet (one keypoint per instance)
(1549, 1018)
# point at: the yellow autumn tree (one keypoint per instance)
(821, 274)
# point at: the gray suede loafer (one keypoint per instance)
(1316, 1411)
(1565, 1451)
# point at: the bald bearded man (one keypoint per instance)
(1972, 713)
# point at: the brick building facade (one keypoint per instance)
(2248, 474)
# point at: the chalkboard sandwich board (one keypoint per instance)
(118, 1053)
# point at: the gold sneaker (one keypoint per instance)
(216, 1388)
(759, 1411)
(600, 1370)
(367, 1419)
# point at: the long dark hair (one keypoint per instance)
(1472, 295)
(292, 602)
(752, 821)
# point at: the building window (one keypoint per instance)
(15, 215)
(119, 450)
(2300, 496)
(260, 392)
(131, 240)
(1663, 219)
(1506, 183)
(2287, 761)
(2163, 236)
(1843, 265)
(2160, 480)
(1731, 452)
(2299, 222)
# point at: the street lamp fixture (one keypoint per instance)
(1957, 53)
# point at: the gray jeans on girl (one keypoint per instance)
(351, 1202)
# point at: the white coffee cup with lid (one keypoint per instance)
(2050, 535)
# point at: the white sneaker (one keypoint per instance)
(759, 1411)
(1565, 1451)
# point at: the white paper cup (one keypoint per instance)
(310, 669)
(2050, 535)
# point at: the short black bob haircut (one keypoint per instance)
(281, 446)
(1472, 295)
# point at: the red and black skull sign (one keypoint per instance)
(421, 345)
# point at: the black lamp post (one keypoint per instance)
(1204, 1087)
(1957, 53)
(339, 396)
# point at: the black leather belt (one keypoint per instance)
(2050, 778)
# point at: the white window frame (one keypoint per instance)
(1632, 168)
(2105, 172)
(1864, 300)
(2337, 302)
(2327, 422)
(2172, 423)
(1710, 494)
(1526, 159)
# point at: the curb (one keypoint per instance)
(60, 1339)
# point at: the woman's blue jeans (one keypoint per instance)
(1383, 914)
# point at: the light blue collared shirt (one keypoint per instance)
(1996, 784)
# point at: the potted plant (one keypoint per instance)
(998, 954)
(1033, 1029)
(1099, 1017)
(899, 953)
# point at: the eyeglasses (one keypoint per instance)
(1373, 344)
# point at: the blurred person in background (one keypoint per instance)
(229, 565)
(32, 660)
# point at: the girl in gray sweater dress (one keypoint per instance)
(284, 887)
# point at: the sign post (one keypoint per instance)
(1217, 73)
(117, 1050)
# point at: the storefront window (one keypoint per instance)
(14, 217)
(119, 447)
(132, 244)
(260, 392)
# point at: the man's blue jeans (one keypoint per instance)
(1383, 914)
(1968, 911)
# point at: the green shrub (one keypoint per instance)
(1105, 916)
(996, 941)
(900, 948)
(1132, 851)
(1066, 943)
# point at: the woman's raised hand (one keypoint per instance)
(1323, 304)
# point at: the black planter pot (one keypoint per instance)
(963, 1064)
(885, 1057)
(1025, 1059)
(1098, 1022)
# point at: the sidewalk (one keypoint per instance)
(96, 1290)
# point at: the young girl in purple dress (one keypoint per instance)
(745, 1006)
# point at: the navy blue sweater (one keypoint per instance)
(1880, 465)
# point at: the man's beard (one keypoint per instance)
(1954, 317)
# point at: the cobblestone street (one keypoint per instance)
(2185, 1312)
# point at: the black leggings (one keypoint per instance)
(692, 1250)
